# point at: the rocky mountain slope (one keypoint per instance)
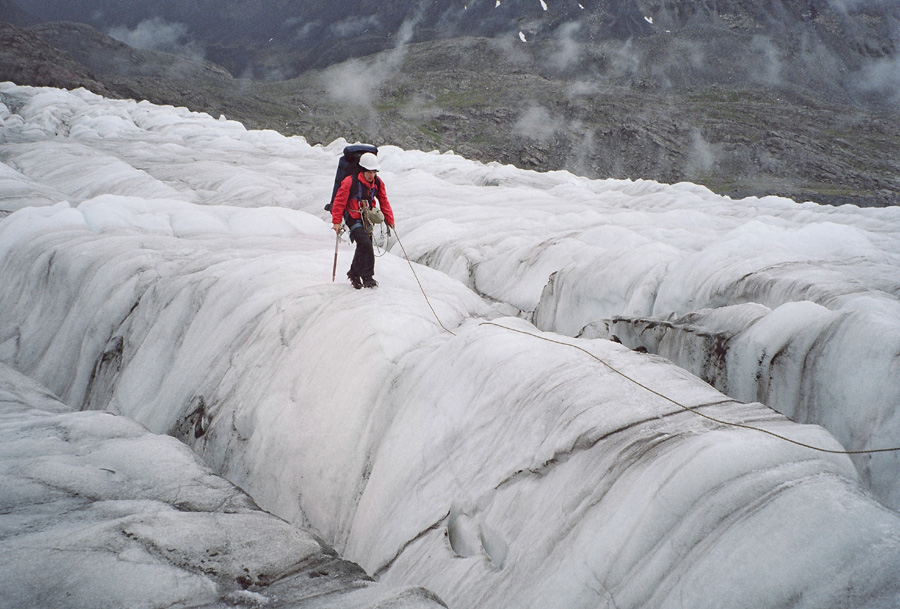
(27, 59)
(797, 99)
(491, 101)
(295, 36)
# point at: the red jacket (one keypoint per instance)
(345, 199)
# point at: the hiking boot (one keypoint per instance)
(369, 282)
(356, 281)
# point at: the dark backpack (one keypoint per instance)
(348, 165)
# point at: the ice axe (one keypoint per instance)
(337, 242)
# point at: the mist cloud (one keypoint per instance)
(157, 34)
(304, 30)
(765, 63)
(626, 60)
(355, 26)
(539, 124)
(881, 77)
(357, 82)
(701, 157)
(570, 50)
(856, 5)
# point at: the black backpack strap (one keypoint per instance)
(351, 222)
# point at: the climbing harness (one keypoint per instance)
(369, 215)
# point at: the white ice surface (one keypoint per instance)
(98, 512)
(494, 468)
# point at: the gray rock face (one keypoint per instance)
(241, 35)
(107, 56)
(798, 99)
(26, 58)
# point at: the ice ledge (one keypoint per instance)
(98, 511)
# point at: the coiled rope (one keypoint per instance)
(643, 386)
(377, 243)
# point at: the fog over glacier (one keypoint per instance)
(613, 395)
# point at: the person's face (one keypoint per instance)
(369, 175)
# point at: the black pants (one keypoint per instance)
(363, 264)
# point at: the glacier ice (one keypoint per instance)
(99, 512)
(495, 466)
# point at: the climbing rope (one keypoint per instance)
(643, 386)
(693, 409)
(408, 261)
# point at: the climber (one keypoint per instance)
(361, 201)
